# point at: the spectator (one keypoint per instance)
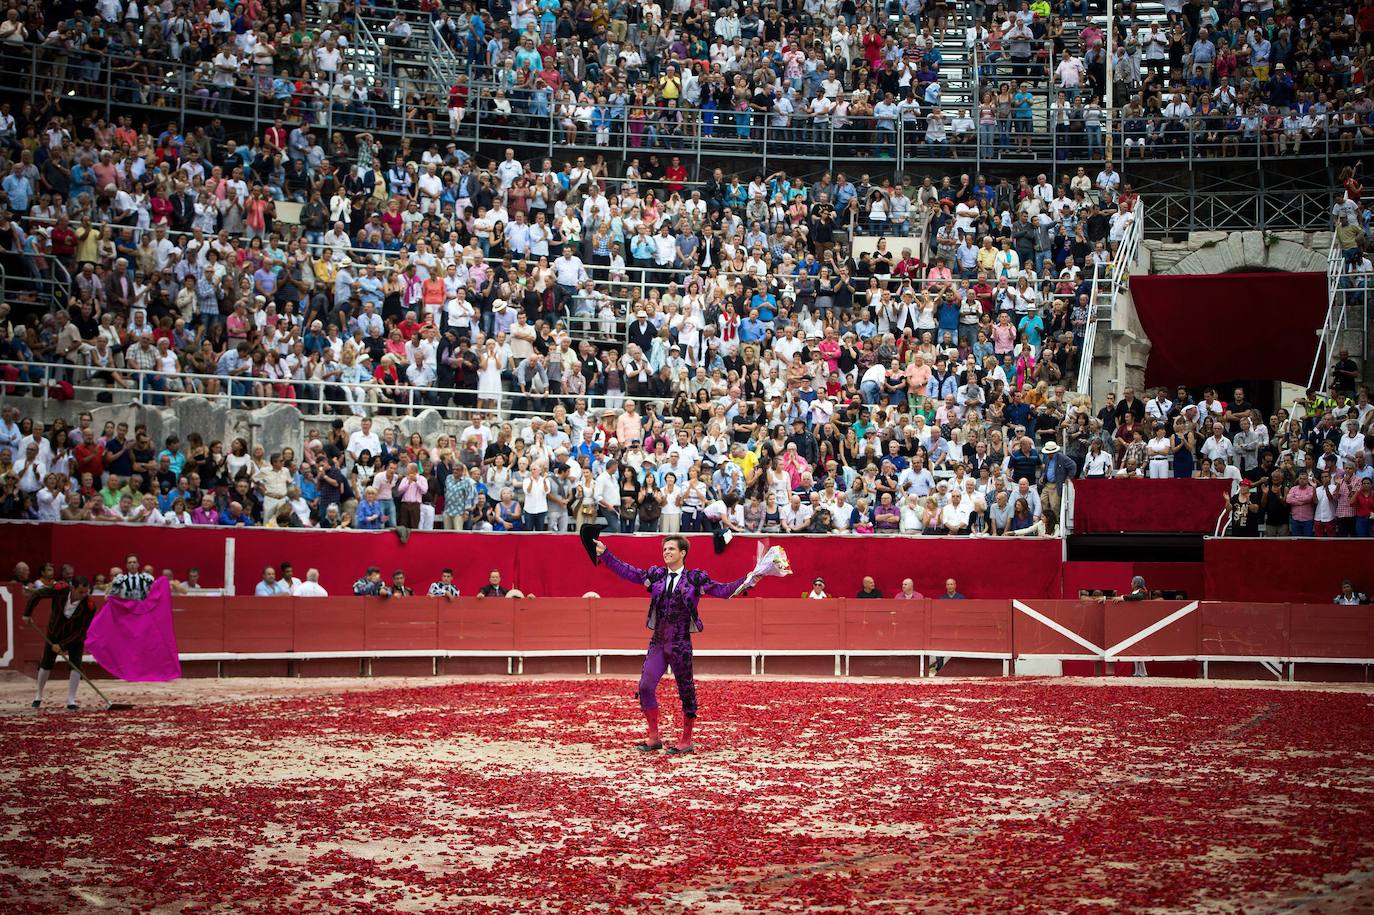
(869, 591)
(311, 587)
(818, 590)
(1349, 595)
(908, 591)
(444, 587)
(371, 584)
(269, 586)
(493, 586)
(398, 585)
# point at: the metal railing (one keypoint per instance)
(691, 132)
(1347, 292)
(317, 400)
(1109, 287)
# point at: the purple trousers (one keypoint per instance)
(676, 654)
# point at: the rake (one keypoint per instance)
(110, 706)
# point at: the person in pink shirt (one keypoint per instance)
(411, 489)
(385, 483)
(1302, 504)
(1346, 486)
(917, 373)
(629, 427)
(205, 513)
(939, 277)
(908, 591)
(1003, 335)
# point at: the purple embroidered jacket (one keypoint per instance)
(672, 615)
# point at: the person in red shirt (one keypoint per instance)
(1363, 502)
(409, 326)
(62, 239)
(457, 102)
(1365, 19)
(90, 458)
(675, 177)
(275, 136)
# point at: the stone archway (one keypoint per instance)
(1251, 252)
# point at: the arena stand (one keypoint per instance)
(252, 231)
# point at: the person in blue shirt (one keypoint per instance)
(17, 189)
(1033, 326)
(766, 304)
(751, 329)
(174, 454)
(369, 514)
(235, 516)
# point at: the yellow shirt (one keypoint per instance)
(747, 462)
(325, 271)
(987, 260)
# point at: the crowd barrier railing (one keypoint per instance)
(317, 400)
(411, 106)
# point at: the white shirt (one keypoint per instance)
(309, 589)
(607, 491)
(358, 443)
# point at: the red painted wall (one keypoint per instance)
(1149, 506)
(547, 565)
(1286, 570)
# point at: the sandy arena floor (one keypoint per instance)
(500, 795)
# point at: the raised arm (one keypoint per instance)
(37, 595)
(620, 567)
(725, 589)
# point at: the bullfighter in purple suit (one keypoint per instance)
(674, 592)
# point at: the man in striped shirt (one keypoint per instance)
(132, 583)
(444, 587)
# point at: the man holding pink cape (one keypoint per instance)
(134, 640)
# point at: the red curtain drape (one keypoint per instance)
(1205, 329)
(1152, 506)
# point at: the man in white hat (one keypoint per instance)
(503, 317)
(642, 331)
(1059, 469)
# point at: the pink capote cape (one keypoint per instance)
(134, 640)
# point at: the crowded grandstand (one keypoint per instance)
(807, 267)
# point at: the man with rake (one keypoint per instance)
(674, 593)
(68, 621)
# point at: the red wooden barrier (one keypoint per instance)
(885, 625)
(476, 624)
(978, 626)
(400, 624)
(1126, 620)
(553, 624)
(802, 625)
(1034, 637)
(730, 624)
(618, 623)
(1244, 630)
(199, 624)
(259, 625)
(1330, 631)
(326, 624)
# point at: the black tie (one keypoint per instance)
(672, 582)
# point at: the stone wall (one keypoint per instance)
(1211, 253)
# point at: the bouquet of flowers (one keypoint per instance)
(773, 563)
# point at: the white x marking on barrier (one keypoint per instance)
(1151, 629)
(1062, 630)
